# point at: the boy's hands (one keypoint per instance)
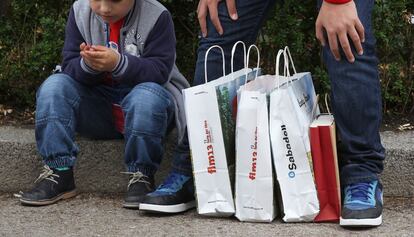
(99, 58)
(340, 21)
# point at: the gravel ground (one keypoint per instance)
(102, 215)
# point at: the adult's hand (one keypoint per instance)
(209, 7)
(340, 21)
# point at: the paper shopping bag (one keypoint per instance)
(292, 107)
(254, 196)
(325, 165)
(254, 178)
(208, 109)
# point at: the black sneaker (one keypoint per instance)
(51, 186)
(139, 185)
(175, 195)
(362, 205)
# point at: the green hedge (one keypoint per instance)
(32, 33)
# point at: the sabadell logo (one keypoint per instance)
(289, 153)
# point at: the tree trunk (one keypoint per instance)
(4, 7)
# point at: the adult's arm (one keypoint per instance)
(339, 18)
(209, 7)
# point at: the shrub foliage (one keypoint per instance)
(32, 34)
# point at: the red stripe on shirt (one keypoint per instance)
(117, 113)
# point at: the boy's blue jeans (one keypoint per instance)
(356, 95)
(65, 106)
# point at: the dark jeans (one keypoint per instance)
(356, 103)
(356, 98)
(65, 106)
(252, 13)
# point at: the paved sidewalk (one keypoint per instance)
(102, 215)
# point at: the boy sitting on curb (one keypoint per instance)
(119, 80)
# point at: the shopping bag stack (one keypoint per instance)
(210, 124)
(261, 122)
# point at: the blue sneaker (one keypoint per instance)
(362, 205)
(175, 195)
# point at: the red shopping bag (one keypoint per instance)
(325, 165)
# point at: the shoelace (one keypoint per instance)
(136, 177)
(47, 174)
(362, 192)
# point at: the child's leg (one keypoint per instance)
(181, 162)
(149, 110)
(64, 106)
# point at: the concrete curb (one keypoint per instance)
(100, 163)
(98, 168)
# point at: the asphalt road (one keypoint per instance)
(102, 215)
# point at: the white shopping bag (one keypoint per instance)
(208, 113)
(254, 178)
(292, 107)
(304, 93)
(254, 195)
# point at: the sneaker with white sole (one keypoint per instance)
(362, 205)
(175, 195)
